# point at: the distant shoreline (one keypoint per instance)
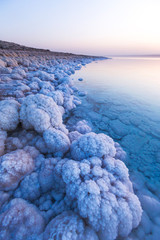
(10, 46)
(147, 55)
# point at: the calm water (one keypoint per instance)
(138, 78)
(123, 101)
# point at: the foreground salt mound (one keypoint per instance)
(100, 191)
(69, 226)
(40, 112)
(20, 220)
(13, 167)
(9, 116)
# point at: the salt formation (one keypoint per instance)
(9, 117)
(40, 112)
(69, 226)
(57, 180)
(13, 167)
(20, 220)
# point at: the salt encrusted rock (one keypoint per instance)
(57, 97)
(56, 141)
(13, 167)
(101, 193)
(46, 88)
(19, 71)
(4, 197)
(16, 76)
(44, 76)
(3, 136)
(69, 226)
(46, 174)
(4, 70)
(40, 112)
(74, 135)
(82, 127)
(91, 144)
(9, 115)
(68, 102)
(20, 220)
(2, 63)
(29, 188)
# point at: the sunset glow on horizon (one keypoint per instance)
(88, 26)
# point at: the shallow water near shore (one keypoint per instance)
(123, 101)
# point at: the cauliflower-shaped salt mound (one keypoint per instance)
(3, 136)
(101, 193)
(40, 112)
(69, 226)
(44, 76)
(74, 135)
(14, 166)
(9, 116)
(57, 142)
(29, 188)
(92, 144)
(82, 127)
(46, 88)
(20, 221)
(69, 102)
(57, 97)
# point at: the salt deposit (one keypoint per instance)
(58, 179)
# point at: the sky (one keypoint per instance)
(99, 27)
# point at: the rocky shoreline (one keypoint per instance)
(57, 181)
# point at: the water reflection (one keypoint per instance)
(136, 77)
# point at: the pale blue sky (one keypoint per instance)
(83, 26)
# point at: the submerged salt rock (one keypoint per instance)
(20, 220)
(69, 226)
(40, 112)
(13, 167)
(9, 115)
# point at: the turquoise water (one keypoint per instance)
(123, 101)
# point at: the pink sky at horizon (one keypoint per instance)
(87, 26)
